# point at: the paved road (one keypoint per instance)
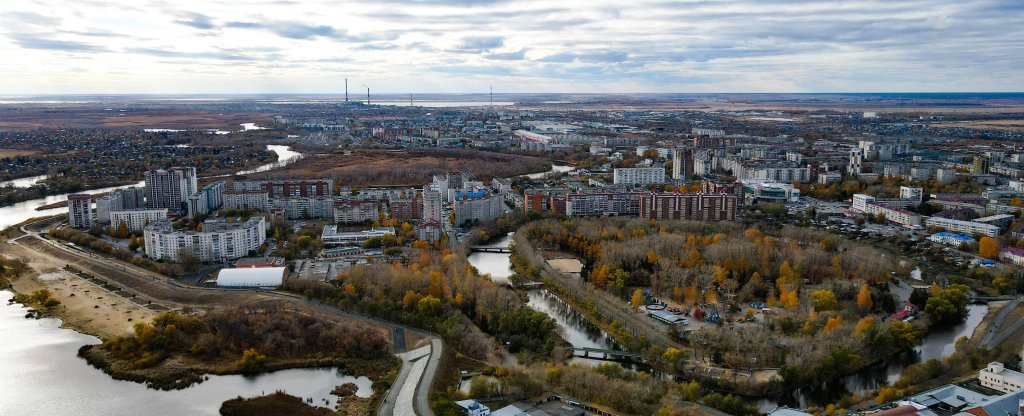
(990, 333)
(160, 289)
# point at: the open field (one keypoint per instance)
(14, 117)
(16, 152)
(408, 167)
(1004, 125)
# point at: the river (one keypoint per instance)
(16, 213)
(43, 375)
(285, 157)
(554, 169)
(23, 182)
(580, 332)
(576, 329)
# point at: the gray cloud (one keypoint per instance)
(22, 19)
(508, 56)
(603, 56)
(292, 30)
(477, 44)
(31, 41)
(215, 55)
(195, 20)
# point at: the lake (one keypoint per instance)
(43, 375)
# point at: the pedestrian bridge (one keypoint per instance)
(603, 354)
(490, 249)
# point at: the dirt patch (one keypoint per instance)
(84, 305)
(566, 266)
(408, 167)
(16, 152)
(1002, 125)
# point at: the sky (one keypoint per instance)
(516, 46)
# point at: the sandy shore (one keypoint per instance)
(85, 306)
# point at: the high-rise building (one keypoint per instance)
(856, 162)
(682, 164)
(80, 211)
(432, 206)
(170, 188)
(980, 164)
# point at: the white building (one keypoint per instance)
(262, 277)
(303, 207)
(483, 209)
(912, 193)
(997, 377)
(639, 176)
(170, 188)
(105, 204)
(219, 240)
(332, 237)
(242, 200)
(349, 211)
(80, 211)
(432, 206)
(137, 219)
(964, 227)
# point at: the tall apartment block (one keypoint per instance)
(80, 211)
(170, 188)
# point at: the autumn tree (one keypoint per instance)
(824, 300)
(864, 301)
(832, 324)
(637, 299)
(251, 359)
(864, 325)
(988, 248)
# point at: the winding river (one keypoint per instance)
(16, 213)
(576, 329)
(580, 332)
(43, 375)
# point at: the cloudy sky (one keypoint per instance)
(268, 46)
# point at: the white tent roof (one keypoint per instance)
(249, 277)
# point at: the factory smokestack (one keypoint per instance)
(346, 90)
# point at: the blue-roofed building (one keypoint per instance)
(472, 408)
(951, 239)
(471, 195)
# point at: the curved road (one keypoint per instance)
(158, 288)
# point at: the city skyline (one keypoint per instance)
(436, 46)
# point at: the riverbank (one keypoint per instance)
(85, 306)
(178, 372)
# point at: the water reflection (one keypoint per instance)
(939, 344)
(42, 375)
(285, 157)
(495, 264)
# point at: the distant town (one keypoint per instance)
(539, 255)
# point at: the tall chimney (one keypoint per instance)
(346, 90)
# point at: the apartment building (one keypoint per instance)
(694, 206)
(80, 211)
(243, 200)
(598, 203)
(350, 211)
(963, 227)
(639, 176)
(478, 208)
(219, 240)
(137, 219)
(170, 188)
(405, 209)
(289, 188)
